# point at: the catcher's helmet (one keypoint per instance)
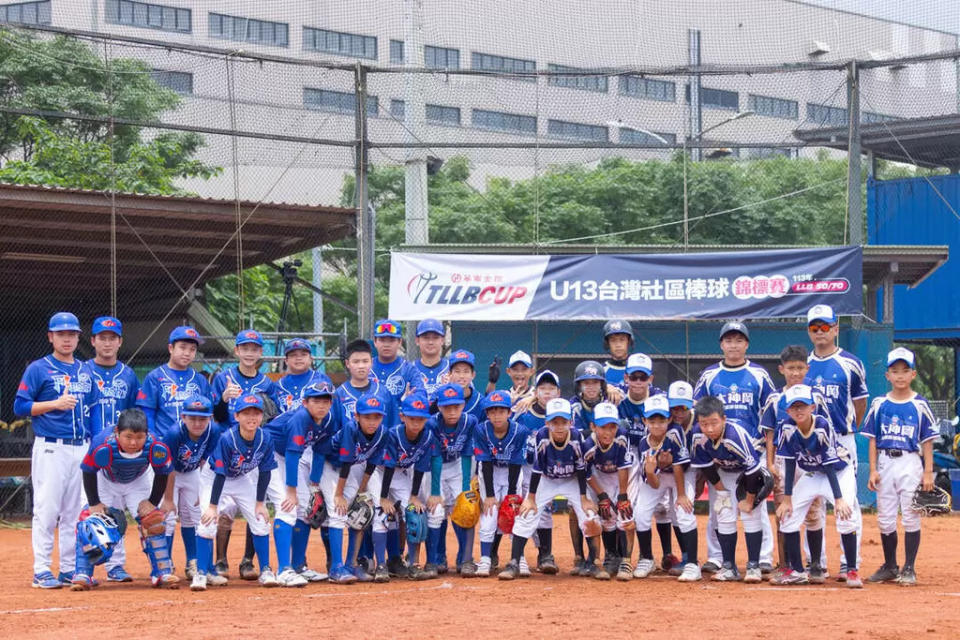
(97, 535)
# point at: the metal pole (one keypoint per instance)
(415, 179)
(854, 200)
(686, 203)
(696, 105)
(316, 278)
(365, 221)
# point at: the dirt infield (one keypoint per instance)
(542, 606)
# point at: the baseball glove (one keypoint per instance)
(270, 410)
(316, 510)
(150, 519)
(360, 512)
(591, 525)
(605, 506)
(466, 510)
(119, 518)
(762, 493)
(507, 513)
(416, 525)
(931, 503)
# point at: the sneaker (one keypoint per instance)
(589, 570)
(524, 568)
(510, 571)
(119, 574)
(853, 579)
(691, 573)
(842, 576)
(343, 575)
(268, 578)
(361, 574)
(494, 564)
(754, 574)
(191, 569)
(199, 582)
(669, 562)
(766, 568)
(443, 568)
(710, 567)
(222, 567)
(547, 565)
(65, 578)
(483, 567)
(644, 568)
(625, 571)
(397, 567)
(790, 577)
(468, 570)
(382, 574)
(611, 564)
(166, 581)
(817, 574)
(366, 564)
(908, 577)
(728, 573)
(312, 576)
(81, 582)
(601, 573)
(290, 578)
(883, 574)
(45, 580)
(431, 570)
(416, 572)
(216, 580)
(247, 571)
(577, 566)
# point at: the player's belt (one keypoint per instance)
(893, 453)
(76, 442)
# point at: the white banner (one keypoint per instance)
(463, 287)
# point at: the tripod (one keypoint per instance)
(289, 274)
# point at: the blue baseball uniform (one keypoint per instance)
(105, 456)
(614, 374)
(674, 442)
(582, 415)
(347, 396)
(163, 394)
(474, 403)
(736, 450)
(841, 378)
(900, 425)
(287, 390)
(431, 376)
(631, 413)
(744, 391)
(396, 376)
(775, 412)
(602, 462)
(453, 442)
(294, 432)
(115, 389)
(234, 457)
(815, 451)
(46, 379)
(223, 411)
(499, 451)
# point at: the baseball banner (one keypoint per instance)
(735, 284)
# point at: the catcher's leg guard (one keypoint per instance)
(156, 549)
(84, 566)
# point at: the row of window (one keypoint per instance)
(26, 13)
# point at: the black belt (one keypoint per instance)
(894, 453)
(76, 442)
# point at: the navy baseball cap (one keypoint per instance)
(450, 394)
(415, 405)
(249, 401)
(249, 336)
(369, 404)
(185, 333)
(737, 327)
(296, 344)
(430, 325)
(657, 405)
(63, 321)
(462, 355)
(497, 398)
(547, 376)
(107, 323)
(318, 390)
(387, 328)
(197, 406)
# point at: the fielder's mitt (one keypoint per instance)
(316, 510)
(360, 513)
(507, 513)
(466, 510)
(762, 493)
(416, 525)
(270, 410)
(931, 503)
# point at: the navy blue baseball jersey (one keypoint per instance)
(353, 446)
(234, 457)
(775, 413)
(104, 455)
(674, 442)
(582, 415)
(453, 442)
(509, 449)
(610, 460)
(815, 451)
(46, 379)
(531, 421)
(163, 394)
(631, 415)
(115, 389)
(841, 379)
(474, 403)
(402, 453)
(287, 390)
(736, 450)
(432, 377)
(258, 383)
(558, 461)
(903, 425)
(396, 376)
(744, 391)
(189, 454)
(614, 374)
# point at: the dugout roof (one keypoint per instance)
(55, 246)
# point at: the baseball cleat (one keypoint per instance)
(216, 580)
(416, 572)
(268, 578)
(790, 577)
(191, 569)
(669, 562)
(166, 581)
(710, 567)
(443, 568)
(766, 568)
(728, 573)
(510, 571)
(908, 577)
(312, 576)
(382, 574)
(625, 571)
(65, 578)
(645, 567)
(817, 574)
(397, 567)
(468, 569)
(601, 573)
(883, 574)
(431, 570)
(577, 566)
(222, 567)
(524, 568)
(119, 574)
(80, 582)
(483, 567)
(589, 570)
(754, 574)
(343, 575)
(290, 578)
(247, 571)
(691, 573)
(547, 565)
(853, 580)
(45, 580)
(199, 582)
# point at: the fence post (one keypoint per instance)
(366, 235)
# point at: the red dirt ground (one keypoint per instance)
(555, 606)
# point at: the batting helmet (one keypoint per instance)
(762, 493)
(612, 327)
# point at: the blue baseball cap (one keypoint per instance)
(370, 403)
(901, 355)
(462, 355)
(605, 413)
(249, 401)
(415, 405)
(497, 398)
(680, 394)
(197, 406)
(657, 405)
(821, 313)
(296, 344)
(249, 336)
(387, 328)
(107, 323)
(639, 362)
(559, 408)
(185, 333)
(798, 393)
(318, 390)
(63, 321)
(450, 394)
(430, 325)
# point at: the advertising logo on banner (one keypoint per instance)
(736, 284)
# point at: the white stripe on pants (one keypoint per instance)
(57, 501)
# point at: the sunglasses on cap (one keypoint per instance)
(820, 328)
(388, 328)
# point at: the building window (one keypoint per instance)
(633, 136)
(578, 131)
(398, 109)
(438, 114)
(639, 87)
(500, 121)
(337, 101)
(502, 64)
(823, 115)
(585, 83)
(396, 52)
(773, 107)
(441, 57)
(179, 81)
(717, 98)
(757, 153)
(26, 13)
(869, 117)
(148, 16)
(341, 44)
(226, 27)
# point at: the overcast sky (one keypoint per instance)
(935, 14)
